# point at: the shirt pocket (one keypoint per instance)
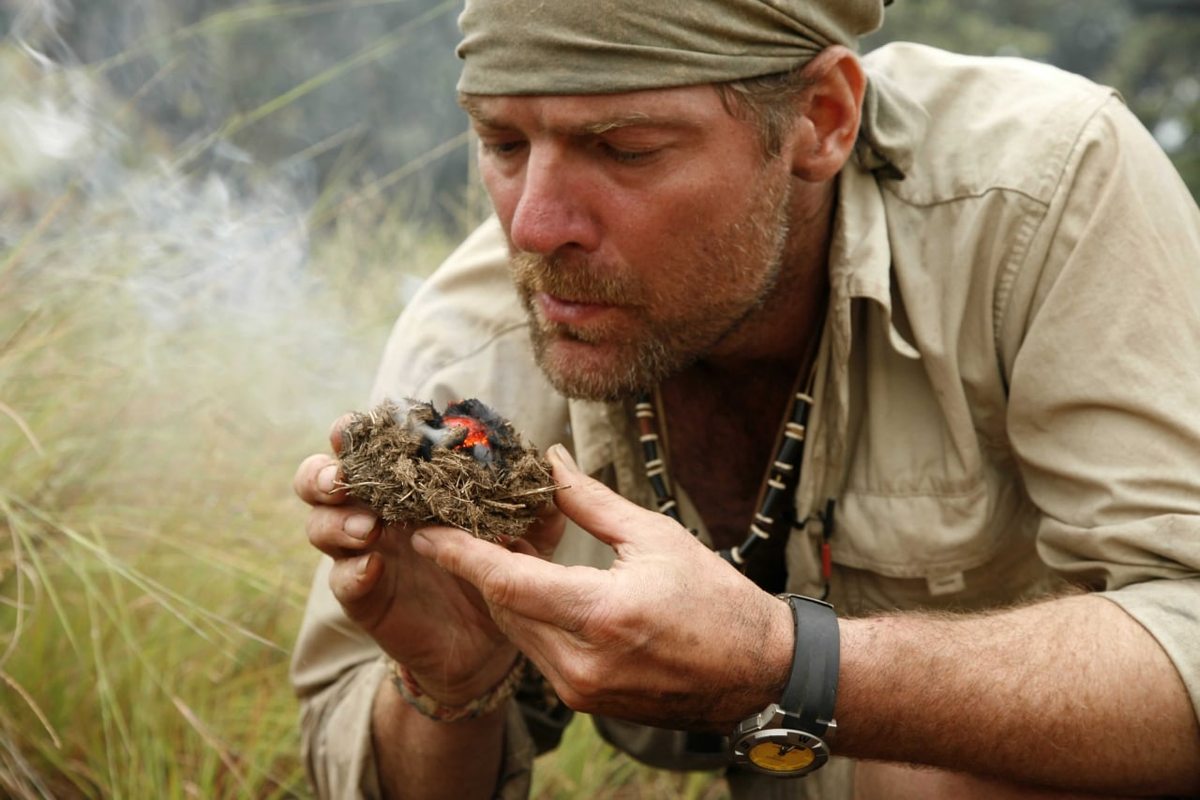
(919, 496)
(927, 535)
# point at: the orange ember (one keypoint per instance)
(476, 430)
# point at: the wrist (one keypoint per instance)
(771, 649)
(419, 757)
(477, 705)
(787, 738)
(452, 682)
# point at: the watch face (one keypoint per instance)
(781, 751)
(781, 757)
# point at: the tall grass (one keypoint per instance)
(169, 350)
(586, 766)
(171, 345)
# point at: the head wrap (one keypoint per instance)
(610, 46)
(524, 47)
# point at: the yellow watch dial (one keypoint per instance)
(781, 757)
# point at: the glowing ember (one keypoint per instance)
(477, 433)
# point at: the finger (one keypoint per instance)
(335, 431)
(545, 532)
(351, 580)
(523, 547)
(514, 582)
(317, 481)
(619, 523)
(340, 531)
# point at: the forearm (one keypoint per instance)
(1071, 693)
(421, 757)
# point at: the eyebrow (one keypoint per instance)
(632, 119)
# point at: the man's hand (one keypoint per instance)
(671, 635)
(423, 617)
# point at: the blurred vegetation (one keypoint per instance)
(1149, 50)
(347, 93)
(210, 213)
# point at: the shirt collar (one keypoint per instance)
(892, 128)
(860, 259)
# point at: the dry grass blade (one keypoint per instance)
(207, 735)
(33, 706)
(22, 572)
(9, 412)
(170, 600)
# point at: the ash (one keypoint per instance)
(411, 469)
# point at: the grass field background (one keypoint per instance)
(173, 341)
(211, 212)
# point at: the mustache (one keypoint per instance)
(571, 278)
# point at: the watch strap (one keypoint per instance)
(811, 689)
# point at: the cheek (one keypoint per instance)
(701, 207)
(655, 229)
(681, 227)
(503, 191)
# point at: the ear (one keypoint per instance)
(830, 112)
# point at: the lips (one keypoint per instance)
(569, 312)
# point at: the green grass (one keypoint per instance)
(170, 348)
(152, 564)
(584, 765)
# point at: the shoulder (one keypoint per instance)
(462, 308)
(995, 123)
(465, 334)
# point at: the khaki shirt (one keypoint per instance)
(1008, 390)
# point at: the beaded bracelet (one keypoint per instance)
(489, 701)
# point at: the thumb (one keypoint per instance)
(606, 515)
(512, 582)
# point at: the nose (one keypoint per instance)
(554, 208)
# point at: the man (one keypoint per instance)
(968, 287)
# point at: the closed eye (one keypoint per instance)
(502, 149)
(627, 156)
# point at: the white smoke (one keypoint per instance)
(223, 249)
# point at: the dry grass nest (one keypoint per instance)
(415, 465)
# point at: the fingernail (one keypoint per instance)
(563, 456)
(359, 526)
(362, 564)
(326, 478)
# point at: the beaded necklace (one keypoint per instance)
(775, 508)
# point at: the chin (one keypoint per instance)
(590, 372)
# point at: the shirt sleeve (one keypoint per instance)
(335, 724)
(1101, 347)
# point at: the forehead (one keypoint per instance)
(683, 107)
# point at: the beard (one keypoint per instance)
(670, 315)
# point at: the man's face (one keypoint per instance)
(645, 229)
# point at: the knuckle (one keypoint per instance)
(314, 526)
(471, 560)
(324, 527)
(345, 585)
(498, 587)
(581, 687)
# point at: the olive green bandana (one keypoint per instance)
(524, 47)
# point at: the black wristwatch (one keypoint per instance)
(787, 739)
